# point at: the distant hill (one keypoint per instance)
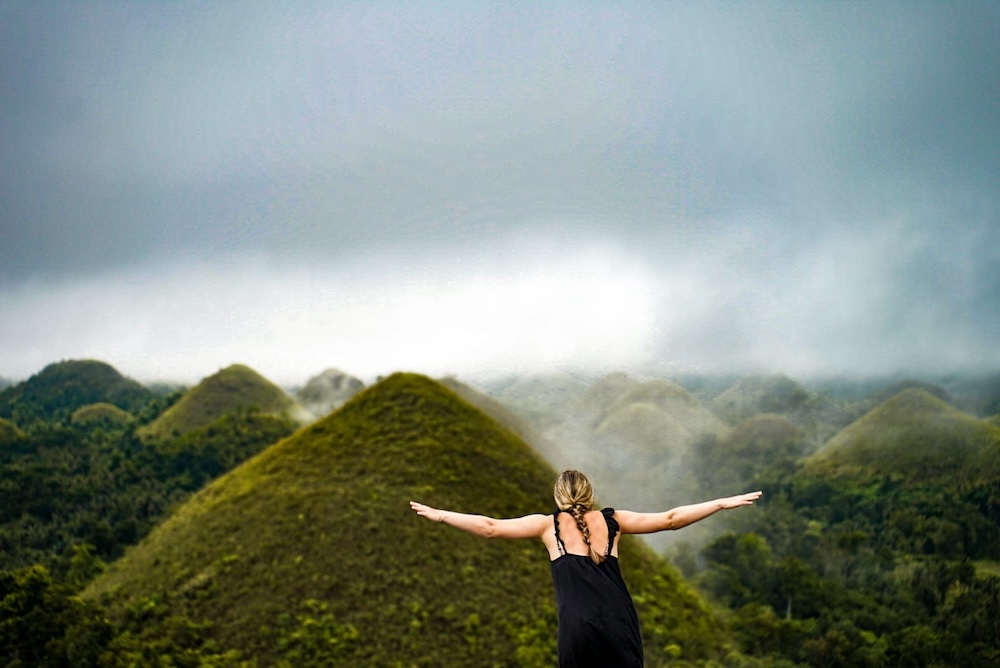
(328, 391)
(309, 553)
(542, 400)
(895, 388)
(753, 395)
(632, 438)
(736, 461)
(551, 451)
(915, 435)
(100, 413)
(59, 389)
(234, 388)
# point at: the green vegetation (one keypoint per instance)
(9, 433)
(61, 388)
(886, 559)
(95, 483)
(308, 554)
(234, 388)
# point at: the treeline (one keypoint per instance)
(73, 496)
(853, 570)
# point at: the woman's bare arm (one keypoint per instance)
(529, 526)
(681, 516)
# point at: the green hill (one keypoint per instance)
(309, 553)
(234, 388)
(61, 388)
(917, 436)
(101, 413)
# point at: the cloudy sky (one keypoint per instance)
(479, 188)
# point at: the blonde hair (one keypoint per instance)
(574, 493)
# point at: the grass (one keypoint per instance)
(310, 549)
(987, 568)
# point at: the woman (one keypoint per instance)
(598, 625)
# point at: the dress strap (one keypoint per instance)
(555, 523)
(609, 519)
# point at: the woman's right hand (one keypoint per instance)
(740, 500)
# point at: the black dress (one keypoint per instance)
(598, 625)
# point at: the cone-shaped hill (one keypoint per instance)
(758, 394)
(310, 554)
(231, 389)
(916, 435)
(673, 402)
(328, 391)
(59, 389)
(101, 413)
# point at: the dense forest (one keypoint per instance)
(851, 558)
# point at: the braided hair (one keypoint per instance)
(574, 493)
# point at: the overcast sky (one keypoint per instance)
(479, 189)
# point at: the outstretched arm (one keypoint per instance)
(529, 526)
(680, 516)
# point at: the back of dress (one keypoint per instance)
(598, 625)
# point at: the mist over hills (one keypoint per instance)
(327, 391)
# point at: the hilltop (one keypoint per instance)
(99, 413)
(234, 388)
(758, 394)
(309, 552)
(61, 388)
(328, 391)
(916, 435)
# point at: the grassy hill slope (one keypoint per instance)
(309, 553)
(60, 388)
(916, 435)
(233, 388)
